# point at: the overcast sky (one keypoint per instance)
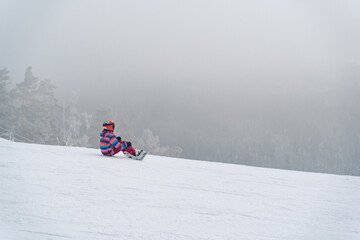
(209, 47)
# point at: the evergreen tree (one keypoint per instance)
(36, 110)
(86, 120)
(26, 106)
(76, 125)
(5, 109)
(72, 123)
(48, 125)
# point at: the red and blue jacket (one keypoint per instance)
(109, 144)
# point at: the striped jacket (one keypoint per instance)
(109, 144)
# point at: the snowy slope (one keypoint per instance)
(52, 192)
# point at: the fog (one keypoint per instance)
(201, 74)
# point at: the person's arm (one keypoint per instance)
(114, 141)
(117, 144)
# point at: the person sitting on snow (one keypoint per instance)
(111, 145)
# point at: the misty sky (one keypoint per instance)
(213, 48)
(266, 82)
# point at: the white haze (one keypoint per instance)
(204, 45)
(178, 67)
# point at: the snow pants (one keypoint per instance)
(130, 149)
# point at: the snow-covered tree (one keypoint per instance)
(72, 123)
(5, 109)
(85, 128)
(48, 124)
(26, 106)
(151, 143)
(76, 124)
(36, 110)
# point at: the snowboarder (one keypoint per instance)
(111, 145)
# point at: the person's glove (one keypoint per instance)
(119, 139)
(128, 144)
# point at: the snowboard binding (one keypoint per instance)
(138, 155)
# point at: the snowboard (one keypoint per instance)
(139, 156)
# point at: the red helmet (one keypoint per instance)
(109, 125)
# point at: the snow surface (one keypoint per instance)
(53, 192)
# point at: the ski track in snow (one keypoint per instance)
(53, 192)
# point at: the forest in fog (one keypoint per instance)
(314, 130)
(31, 113)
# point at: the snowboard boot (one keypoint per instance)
(138, 155)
